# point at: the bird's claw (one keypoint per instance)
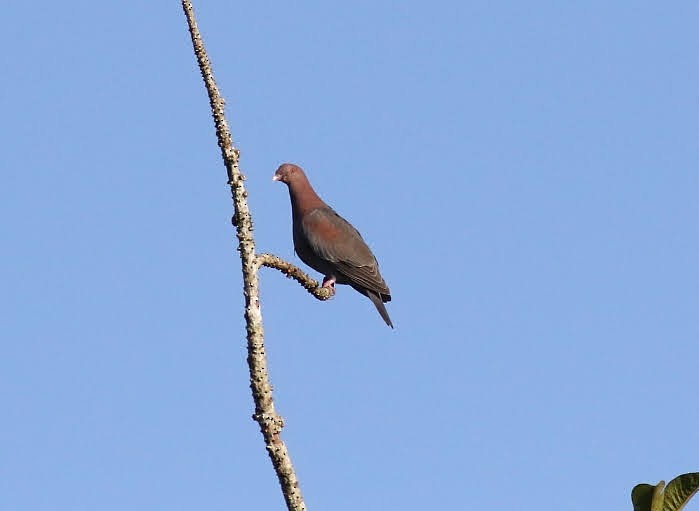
(329, 283)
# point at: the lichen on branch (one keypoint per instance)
(269, 421)
(294, 272)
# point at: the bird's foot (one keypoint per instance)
(329, 282)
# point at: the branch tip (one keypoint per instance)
(295, 273)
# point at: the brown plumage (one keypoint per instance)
(329, 244)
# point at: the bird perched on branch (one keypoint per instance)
(329, 244)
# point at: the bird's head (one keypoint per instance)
(288, 173)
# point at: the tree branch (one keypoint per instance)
(293, 272)
(269, 421)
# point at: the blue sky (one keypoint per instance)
(526, 173)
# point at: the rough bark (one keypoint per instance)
(269, 421)
(293, 272)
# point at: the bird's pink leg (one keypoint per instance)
(329, 282)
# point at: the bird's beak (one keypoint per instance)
(275, 177)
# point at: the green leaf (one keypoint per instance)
(679, 491)
(646, 497)
(642, 497)
(658, 496)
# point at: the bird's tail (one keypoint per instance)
(376, 300)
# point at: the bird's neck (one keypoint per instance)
(304, 198)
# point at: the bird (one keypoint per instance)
(330, 244)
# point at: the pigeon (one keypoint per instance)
(330, 244)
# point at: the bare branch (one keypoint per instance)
(269, 421)
(293, 272)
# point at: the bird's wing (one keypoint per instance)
(336, 241)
